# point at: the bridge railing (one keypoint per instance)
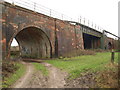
(52, 13)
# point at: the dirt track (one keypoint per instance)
(58, 79)
(35, 79)
(23, 81)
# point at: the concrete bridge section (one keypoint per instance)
(41, 36)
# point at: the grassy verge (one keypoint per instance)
(8, 81)
(42, 68)
(76, 65)
(108, 78)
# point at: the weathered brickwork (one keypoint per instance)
(63, 37)
(38, 35)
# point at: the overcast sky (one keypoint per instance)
(103, 13)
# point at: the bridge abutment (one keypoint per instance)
(41, 36)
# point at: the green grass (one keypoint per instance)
(15, 76)
(42, 68)
(76, 65)
(116, 57)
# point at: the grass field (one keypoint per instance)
(42, 68)
(76, 65)
(15, 76)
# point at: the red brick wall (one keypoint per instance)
(15, 19)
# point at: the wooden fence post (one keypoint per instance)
(112, 56)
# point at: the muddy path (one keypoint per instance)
(23, 81)
(35, 79)
(56, 77)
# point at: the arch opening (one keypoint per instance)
(109, 45)
(33, 43)
(14, 49)
(90, 41)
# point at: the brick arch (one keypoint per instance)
(41, 35)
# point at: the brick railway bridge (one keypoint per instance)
(42, 36)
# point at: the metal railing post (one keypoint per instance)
(34, 6)
(84, 20)
(62, 16)
(95, 26)
(12, 2)
(50, 12)
(88, 22)
(80, 19)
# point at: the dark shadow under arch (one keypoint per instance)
(109, 45)
(34, 43)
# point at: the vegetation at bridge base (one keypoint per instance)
(11, 72)
(15, 54)
(82, 52)
(42, 68)
(100, 62)
(108, 78)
